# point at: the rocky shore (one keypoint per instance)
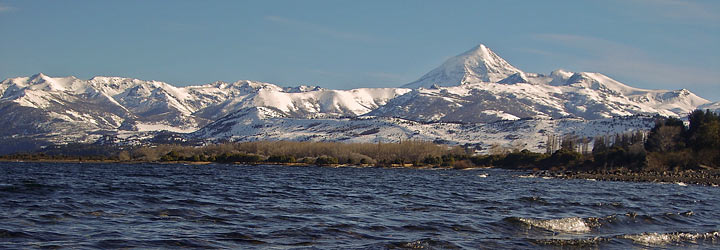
(699, 177)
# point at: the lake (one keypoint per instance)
(91, 205)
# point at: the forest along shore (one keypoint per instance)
(709, 177)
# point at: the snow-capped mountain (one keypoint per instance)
(584, 95)
(479, 86)
(456, 103)
(465, 100)
(68, 109)
(477, 64)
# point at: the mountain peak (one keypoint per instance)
(480, 50)
(39, 77)
(479, 64)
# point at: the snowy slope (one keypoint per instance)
(68, 108)
(479, 86)
(489, 102)
(313, 103)
(257, 124)
(476, 64)
(715, 107)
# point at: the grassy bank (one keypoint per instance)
(409, 153)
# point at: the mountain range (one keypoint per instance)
(460, 102)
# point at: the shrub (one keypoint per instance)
(326, 160)
(281, 159)
(432, 160)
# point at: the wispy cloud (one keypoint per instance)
(4, 8)
(587, 43)
(629, 62)
(682, 9)
(322, 30)
(535, 51)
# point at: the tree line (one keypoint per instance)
(416, 153)
(668, 146)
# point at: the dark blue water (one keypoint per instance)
(50, 205)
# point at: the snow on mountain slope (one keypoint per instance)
(125, 104)
(254, 124)
(714, 107)
(477, 64)
(476, 102)
(489, 102)
(664, 102)
(479, 86)
(101, 103)
(327, 103)
(680, 102)
(307, 103)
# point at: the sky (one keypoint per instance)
(654, 44)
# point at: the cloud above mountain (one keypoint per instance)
(5, 8)
(628, 62)
(687, 10)
(303, 26)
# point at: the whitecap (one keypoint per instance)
(667, 238)
(568, 225)
(474, 168)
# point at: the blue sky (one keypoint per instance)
(657, 44)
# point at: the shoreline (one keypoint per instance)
(705, 177)
(299, 164)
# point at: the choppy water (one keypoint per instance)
(50, 205)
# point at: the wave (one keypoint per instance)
(426, 243)
(651, 239)
(239, 237)
(474, 168)
(581, 242)
(30, 187)
(14, 234)
(567, 225)
(584, 225)
(630, 228)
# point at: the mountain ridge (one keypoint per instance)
(474, 87)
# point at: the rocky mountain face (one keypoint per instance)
(476, 87)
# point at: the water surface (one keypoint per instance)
(53, 205)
